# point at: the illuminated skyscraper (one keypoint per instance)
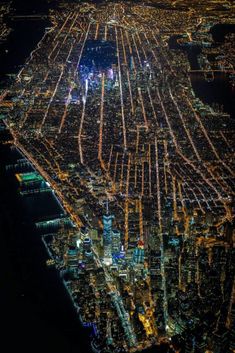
(116, 242)
(107, 235)
(138, 255)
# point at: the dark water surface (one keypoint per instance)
(219, 31)
(38, 315)
(220, 90)
(24, 36)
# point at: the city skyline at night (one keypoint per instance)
(105, 115)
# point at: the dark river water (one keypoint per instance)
(220, 90)
(38, 315)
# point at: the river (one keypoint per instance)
(218, 91)
(38, 314)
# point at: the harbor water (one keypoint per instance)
(38, 314)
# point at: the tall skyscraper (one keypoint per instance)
(116, 242)
(138, 255)
(107, 235)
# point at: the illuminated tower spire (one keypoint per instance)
(107, 207)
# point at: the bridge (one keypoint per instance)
(29, 17)
(212, 71)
